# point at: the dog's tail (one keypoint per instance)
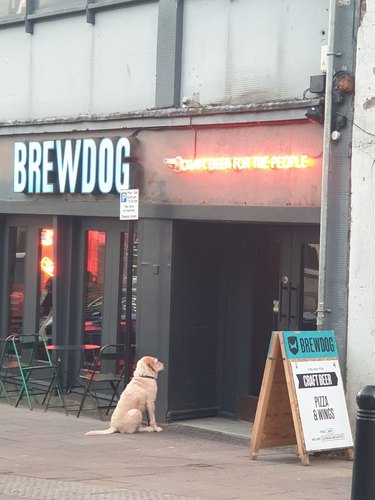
(111, 430)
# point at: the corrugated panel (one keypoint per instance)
(69, 67)
(243, 51)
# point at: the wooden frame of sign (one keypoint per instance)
(278, 416)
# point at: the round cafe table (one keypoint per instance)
(82, 348)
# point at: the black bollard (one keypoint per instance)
(363, 480)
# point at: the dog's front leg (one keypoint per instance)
(151, 414)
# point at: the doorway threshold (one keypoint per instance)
(223, 426)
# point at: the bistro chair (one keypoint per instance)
(6, 364)
(101, 381)
(33, 369)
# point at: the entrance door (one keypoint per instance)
(285, 293)
(232, 285)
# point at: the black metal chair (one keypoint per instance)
(7, 363)
(101, 382)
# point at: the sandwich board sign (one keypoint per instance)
(302, 398)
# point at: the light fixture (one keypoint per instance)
(342, 85)
(315, 114)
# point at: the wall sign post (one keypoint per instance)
(302, 397)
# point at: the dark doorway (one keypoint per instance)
(232, 285)
(286, 294)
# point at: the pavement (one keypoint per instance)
(46, 456)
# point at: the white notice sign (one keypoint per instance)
(129, 202)
(322, 404)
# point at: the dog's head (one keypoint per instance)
(149, 366)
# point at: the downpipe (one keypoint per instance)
(322, 310)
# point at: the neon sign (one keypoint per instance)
(47, 265)
(239, 163)
(46, 237)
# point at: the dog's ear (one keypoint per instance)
(150, 362)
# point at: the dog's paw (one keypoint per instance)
(158, 429)
(144, 428)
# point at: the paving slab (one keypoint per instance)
(45, 455)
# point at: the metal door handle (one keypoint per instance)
(293, 288)
(283, 285)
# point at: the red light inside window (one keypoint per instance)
(48, 266)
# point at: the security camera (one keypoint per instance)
(315, 114)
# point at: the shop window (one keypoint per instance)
(124, 290)
(94, 286)
(46, 276)
(132, 289)
(17, 257)
(57, 4)
(13, 8)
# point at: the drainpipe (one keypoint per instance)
(322, 311)
(332, 313)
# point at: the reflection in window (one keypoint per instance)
(95, 254)
(17, 255)
(310, 280)
(46, 275)
(124, 288)
(58, 4)
(12, 8)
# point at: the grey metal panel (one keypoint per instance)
(109, 67)
(303, 215)
(334, 276)
(31, 290)
(67, 291)
(68, 280)
(250, 51)
(154, 286)
(168, 67)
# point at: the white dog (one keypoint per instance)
(138, 395)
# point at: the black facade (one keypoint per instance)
(220, 258)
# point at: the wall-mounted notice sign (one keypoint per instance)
(302, 397)
(129, 204)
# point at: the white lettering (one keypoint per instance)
(20, 173)
(67, 165)
(88, 181)
(122, 172)
(105, 166)
(72, 166)
(47, 167)
(34, 175)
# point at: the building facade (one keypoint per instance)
(203, 107)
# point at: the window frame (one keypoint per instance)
(90, 8)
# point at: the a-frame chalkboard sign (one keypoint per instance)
(302, 398)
